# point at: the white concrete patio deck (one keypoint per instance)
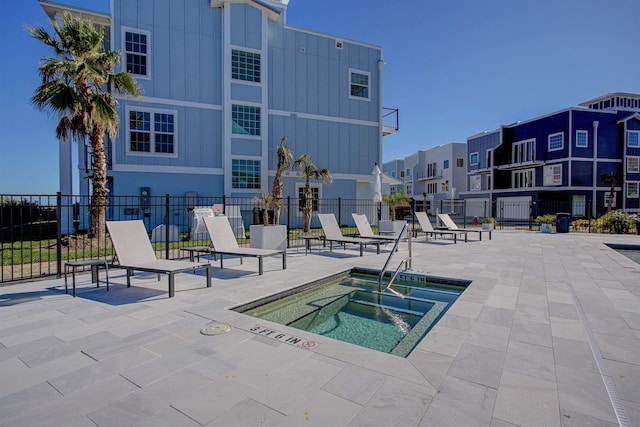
(513, 350)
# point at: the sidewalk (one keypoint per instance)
(546, 333)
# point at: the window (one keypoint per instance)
(359, 82)
(245, 120)
(408, 173)
(431, 170)
(393, 174)
(556, 141)
(315, 196)
(475, 183)
(524, 178)
(633, 164)
(489, 182)
(432, 188)
(408, 189)
(582, 138)
(446, 164)
(245, 173)
(151, 131)
(524, 151)
(473, 159)
(136, 51)
(401, 174)
(613, 200)
(245, 66)
(632, 189)
(553, 175)
(460, 163)
(445, 186)
(633, 138)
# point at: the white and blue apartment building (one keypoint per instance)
(431, 175)
(223, 82)
(559, 158)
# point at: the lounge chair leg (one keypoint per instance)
(378, 248)
(361, 249)
(208, 269)
(129, 274)
(260, 266)
(221, 256)
(284, 261)
(172, 290)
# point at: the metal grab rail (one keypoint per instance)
(395, 246)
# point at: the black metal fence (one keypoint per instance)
(38, 233)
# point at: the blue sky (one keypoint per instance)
(454, 67)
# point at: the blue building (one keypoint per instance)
(560, 158)
(223, 82)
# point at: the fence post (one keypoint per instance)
(464, 212)
(288, 220)
(58, 234)
(530, 216)
(340, 211)
(166, 227)
(589, 207)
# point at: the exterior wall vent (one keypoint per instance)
(338, 44)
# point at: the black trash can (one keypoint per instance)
(562, 222)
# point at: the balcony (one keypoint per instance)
(390, 121)
(521, 165)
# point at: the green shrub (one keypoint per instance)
(618, 221)
(546, 219)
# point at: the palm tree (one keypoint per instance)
(610, 179)
(77, 85)
(267, 201)
(310, 171)
(284, 156)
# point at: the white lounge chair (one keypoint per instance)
(332, 234)
(223, 242)
(365, 231)
(134, 252)
(428, 230)
(451, 225)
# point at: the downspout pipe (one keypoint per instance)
(595, 168)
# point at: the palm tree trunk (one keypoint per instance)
(308, 206)
(99, 198)
(276, 192)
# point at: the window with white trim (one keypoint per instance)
(523, 178)
(553, 174)
(632, 189)
(633, 138)
(524, 151)
(151, 132)
(556, 141)
(315, 196)
(359, 84)
(460, 163)
(136, 48)
(473, 159)
(633, 164)
(475, 183)
(614, 200)
(582, 138)
(245, 120)
(245, 173)
(245, 66)
(408, 189)
(445, 164)
(445, 186)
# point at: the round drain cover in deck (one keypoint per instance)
(215, 329)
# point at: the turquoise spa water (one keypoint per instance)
(352, 309)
